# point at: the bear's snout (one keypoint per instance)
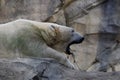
(77, 38)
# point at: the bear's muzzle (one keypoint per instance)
(76, 39)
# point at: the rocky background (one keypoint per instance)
(97, 20)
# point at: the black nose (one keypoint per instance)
(77, 40)
(81, 39)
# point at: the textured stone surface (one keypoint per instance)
(58, 18)
(101, 29)
(38, 10)
(46, 69)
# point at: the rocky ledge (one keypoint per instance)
(47, 69)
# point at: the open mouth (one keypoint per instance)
(71, 43)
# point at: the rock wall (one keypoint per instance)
(97, 20)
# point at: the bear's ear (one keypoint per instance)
(51, 35)
(56, 30)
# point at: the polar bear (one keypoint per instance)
(26, 38)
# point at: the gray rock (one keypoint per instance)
(58, 18)
(101, 28)
(46, 69)
(38, 10)
(109, 29)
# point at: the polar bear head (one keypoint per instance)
(61, 37)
